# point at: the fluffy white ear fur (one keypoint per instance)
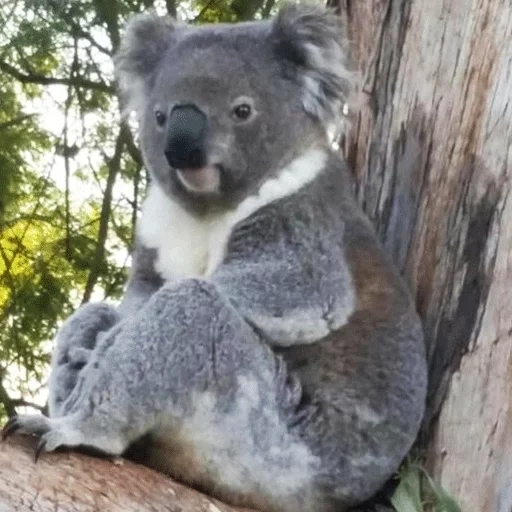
(308, 36)
(312, 39)
(146, 39)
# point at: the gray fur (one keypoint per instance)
(74, 345)
(286, 370)
(298, 53)
(314, 41)
(143, 281)
(307, 291)
(145, 41)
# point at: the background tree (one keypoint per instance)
(430, 146)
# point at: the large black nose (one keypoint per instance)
(186, 137)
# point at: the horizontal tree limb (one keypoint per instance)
(71, 481)
(34, 78)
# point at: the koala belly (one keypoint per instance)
(244, 456)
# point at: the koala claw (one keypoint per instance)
(31, 424)
(52, 433)
(10, 427)
(41, 446)
(49, 442)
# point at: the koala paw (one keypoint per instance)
(82, 328)
(76, 342)
(52, 433)
(78, 357)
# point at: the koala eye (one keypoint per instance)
(242, 112)
(242, 109)
(160, 118)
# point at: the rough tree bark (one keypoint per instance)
(430, 145)
(69, 482)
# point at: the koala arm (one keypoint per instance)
(144, 281)
(83, 331)
(288, 280)
(79, 333)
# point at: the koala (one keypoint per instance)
(266, 350)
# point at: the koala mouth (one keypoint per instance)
(202, 180)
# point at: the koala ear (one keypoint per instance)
(311, 38)
(146, 39)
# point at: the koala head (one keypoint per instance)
(221, 108)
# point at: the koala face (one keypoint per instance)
(223, 107)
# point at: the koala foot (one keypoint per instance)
(53, 432)
(76, 342)
(81, 329)
(72, 431)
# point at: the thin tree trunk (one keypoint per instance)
(171, 7)
(69, 482)
(246, 9)
(114, 166)
(430, 144)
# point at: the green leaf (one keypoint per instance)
(411, 495)
(444, 502)
(407, 497)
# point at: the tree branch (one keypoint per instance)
(133, 150)
(30, 217)
(15, 121)
(34, 78)
(245, 10)
(171, 7)
(108, 10)
(98, 483)
(114, 166)
(203, 11)
(5, 400)
(267, 9)
(80, 32)
(20, 402)
(76, 30)
(66, 155)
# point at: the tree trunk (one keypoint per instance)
(430, 144)
(68, 482)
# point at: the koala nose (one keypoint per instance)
(186, 137)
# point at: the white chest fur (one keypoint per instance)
(189, 246)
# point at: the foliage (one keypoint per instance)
(418, 492)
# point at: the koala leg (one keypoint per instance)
(74, 345)
(191, 375)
